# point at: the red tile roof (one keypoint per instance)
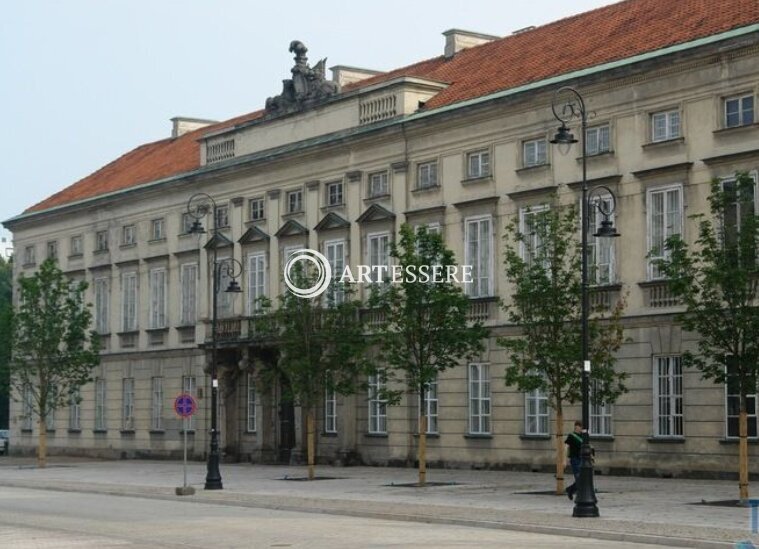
(592, 38)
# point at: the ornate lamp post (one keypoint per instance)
(572, 107)
(198, 207)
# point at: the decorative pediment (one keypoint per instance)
(218, 241)
(291, 228)
(332, 221)
(375, 212)
(253, 234)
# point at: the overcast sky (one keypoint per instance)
(83, 82)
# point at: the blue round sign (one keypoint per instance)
(185, 405)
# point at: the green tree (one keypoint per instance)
(321, 345)
(6, 309)
(425, 329)
(716, 280)
(54, 350)
(543, 267)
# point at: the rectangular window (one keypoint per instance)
(50, 419)
(377, 405)
(102, 305)
(531, 247)
(601, 260)
(101, 241)
(478, 253)
(256, 282)
(600, 415)
(224, 299)
(295, 201)
(76, 245)
(156, 407)
(128, 235)
(100, 415)
(335, 193)
(426, 175)
(378, 184)
(738, 206)
(158, 298)
(251, 407)
(379, 255)
(739, 111)
(127, 404)
(27, 406)
(535, 413)
(75, 411)
(52, 250)
(255, 209)
(733, 403)
(335, 253)
(29, 255)
(479, 398)
(534, 153)
(157, 229)
(664, 207)
(597, 140)
(430, 407)
(189, 287)
(221, 217)
(668, 396)
(330, 411)
(478, 164)
(665, 125)
(188, 387)
(187, 221)
(129, 302)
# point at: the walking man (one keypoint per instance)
(574, 441)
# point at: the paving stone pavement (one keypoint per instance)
(664, 511)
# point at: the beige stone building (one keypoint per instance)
(460, 142)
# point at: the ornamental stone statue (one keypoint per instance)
(307, 87)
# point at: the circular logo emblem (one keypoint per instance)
(323, 273)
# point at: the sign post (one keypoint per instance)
(185, 406)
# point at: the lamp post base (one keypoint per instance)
(213, 475)
(585, 498)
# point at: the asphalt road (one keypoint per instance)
(50, 519)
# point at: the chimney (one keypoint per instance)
(343, 74)
(457, 40)
(183, 124)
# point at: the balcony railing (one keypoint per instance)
(481, 309)
(603, 298)
(228, 329)
(658, 295)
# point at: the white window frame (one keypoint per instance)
(374, 244)
(528, 251)
(101, 241)
(188, 304)
(667, 231)
(221, 216)
(482, 266)
(127, 404)
(75, 243)
(336, 252)
(75, 411)
(158, 298)
(596, 243)
(295, 201)
(741, 110)
(224, 300)
(129, 301)
(598, 139)
(189, 386)
(27, 408)
(668, 396)
(536, 413)
(102, 289)
(431, 407)
(257, 279)
(601, 415)
(534, 152)
(29, 255)
(478, 164)
(100, 404)
(427, 175)
(250, 404)
(330, 411)
(750, 417)
(733, 179)
(129, 235)
(256, 209)
(158, 229)
(478, 380)
(379, 184)
(334, 193)
(672, 127)
(377, 406)
(52, 250)
(186, 222)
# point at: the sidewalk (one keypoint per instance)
(663, 511)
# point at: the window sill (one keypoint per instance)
(74, 431)
(480, 436)
(428, 436)
(535, 168)
(100, 252)
(188, 431)
(288, 215)
(328, 207)
(156, 330)
(602, 154)
(602, 438)
(427, 188)
(128, 332)
(75, 256)
(157, 240)
(736, 440)
(385, 196)
(29, 265)
(157, 432)
(99, 431)
(535, 437)
(480, 179)
(736, 129)
(656, 282)
(250, 222)
(663, 143)
(666, 440)
(127, 431)
(375, 435)
(127, 246)
(27, 431)
(329, 435)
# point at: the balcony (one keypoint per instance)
(658, 295)
(228, 329)
(482, 309)
(604, 298)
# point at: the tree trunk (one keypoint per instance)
(559, 451)
(310, 442)
(422, 449)
(743, 452)
(42, 446)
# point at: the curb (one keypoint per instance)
(327, 506)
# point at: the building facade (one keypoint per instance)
(461, 143)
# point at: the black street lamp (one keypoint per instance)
(572, 107)
(198, 207)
